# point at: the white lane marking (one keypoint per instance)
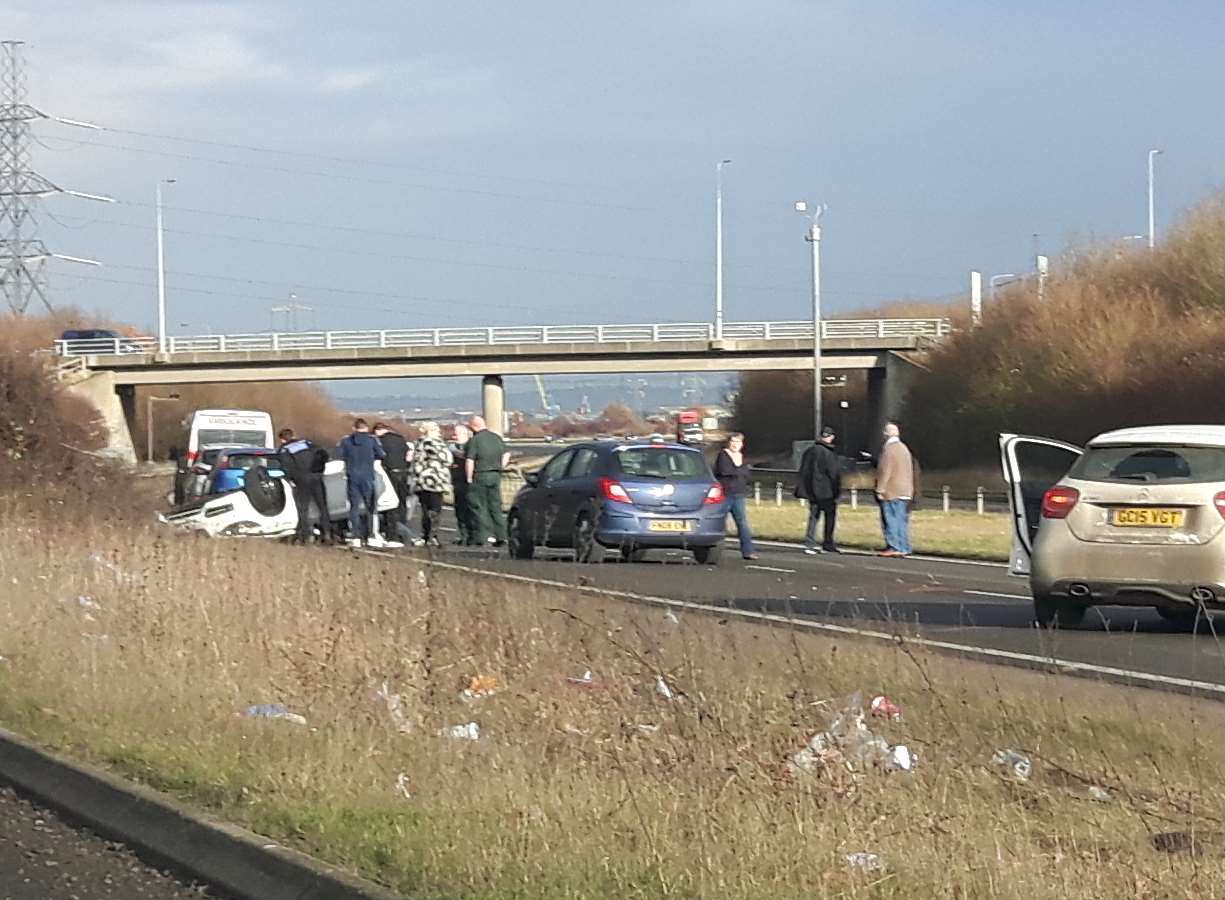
(771, 569)
(1066, 665)
(918, 557)
(996, 594)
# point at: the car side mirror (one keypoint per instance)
(532, 479)
(201, 468)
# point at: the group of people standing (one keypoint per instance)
(819, 483)
(420, 472)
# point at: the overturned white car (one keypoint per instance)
(264, 506)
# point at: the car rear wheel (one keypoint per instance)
(518, 540)
(630, 553)
(1056, 612)
(708, 556)
(586, 548)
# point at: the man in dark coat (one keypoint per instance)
(303, 463)
(820, 483)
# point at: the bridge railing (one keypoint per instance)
(505, 335)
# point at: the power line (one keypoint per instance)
(479, 192)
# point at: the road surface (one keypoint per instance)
(44, 858)
(974, 605)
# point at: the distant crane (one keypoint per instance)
(549, 409)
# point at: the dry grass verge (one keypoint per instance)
(600, 790)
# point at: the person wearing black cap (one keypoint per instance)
(820, 483)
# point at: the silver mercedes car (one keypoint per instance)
(1134, 518)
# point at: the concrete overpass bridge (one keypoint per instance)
(113, 368)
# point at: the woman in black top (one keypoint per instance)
(733, 474)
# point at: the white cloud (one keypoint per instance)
(343, 81)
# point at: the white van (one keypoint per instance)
(212, 430)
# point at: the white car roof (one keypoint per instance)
(1206, 435)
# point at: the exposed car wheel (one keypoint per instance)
(267, 494)
(586, 548)
(1056, 612)
(518, 540)
(708, 556)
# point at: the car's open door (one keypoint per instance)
(1032, 465)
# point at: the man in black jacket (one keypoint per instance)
(820, 483)
(396, 465)
(303, 463)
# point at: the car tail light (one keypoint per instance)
(715, 494)
(1058, 502)
(1219, 502)
(613, 491)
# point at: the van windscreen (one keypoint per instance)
(229, 437)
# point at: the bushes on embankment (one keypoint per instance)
(1122, 338)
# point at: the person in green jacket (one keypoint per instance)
(486, 457)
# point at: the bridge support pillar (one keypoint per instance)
(493, 403)
(887, 389)
(115, 406)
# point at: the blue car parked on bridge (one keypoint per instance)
(630, 496)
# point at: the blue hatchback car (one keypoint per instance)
(231, 466)
(631, 496)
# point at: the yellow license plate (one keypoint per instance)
(668, 525)
(1147, 518)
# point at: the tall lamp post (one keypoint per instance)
(1152, 223)
(149, 401)
(719, 248)
(814, 237)
(161, 270)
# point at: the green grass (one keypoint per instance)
(958, 533)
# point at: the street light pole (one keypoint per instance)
(1152, 225)
(161, 271)
(719, 248)
(814, 238)
(995, 280)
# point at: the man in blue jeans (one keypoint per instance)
(895, 489)
(359, 450)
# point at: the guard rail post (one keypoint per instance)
(944, 498)
(778, 493)
(854, 498)
(979, 500)
(757, 493)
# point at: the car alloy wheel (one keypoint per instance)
(586, 548)
(520, 543)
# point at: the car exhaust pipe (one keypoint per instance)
(1079, 591)
(1203, 595)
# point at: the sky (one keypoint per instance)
(409, 164)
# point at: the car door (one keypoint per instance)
(573, 493)
(539, 507)
(1032, 465)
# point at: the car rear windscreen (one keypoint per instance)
(1151, 465)
(227, 437)
(660, 462)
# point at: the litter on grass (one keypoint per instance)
(480, 687)
(868, 863)
(402, 786)
(884, 708)
(663, 690)
(670, 618)
(121, 576)
(848, 741)
(469, 731)
(1014, 764)
(1101, 795)
(584, 680)
(395, 708)
(274, 711)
